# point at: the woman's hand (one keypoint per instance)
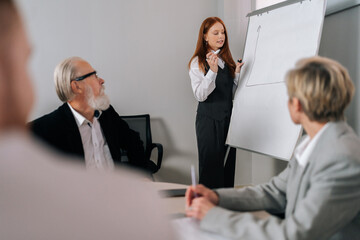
(239, 64)
(212, 60)
(200, 191)
(199, 200)
(199, 207)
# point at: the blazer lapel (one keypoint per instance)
(73, 136)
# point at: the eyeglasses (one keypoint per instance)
(85, 76)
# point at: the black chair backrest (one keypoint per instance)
(141, 124)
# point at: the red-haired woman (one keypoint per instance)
(214, 76)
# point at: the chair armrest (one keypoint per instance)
(160, 153)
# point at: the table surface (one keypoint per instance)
(175, 206)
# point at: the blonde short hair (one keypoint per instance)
(323, 87)
(64, 72)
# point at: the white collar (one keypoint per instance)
(80, 119)
(306, 147)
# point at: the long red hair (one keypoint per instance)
(202, 48)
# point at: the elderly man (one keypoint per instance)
(86, 125)
(43, 197)
(319, 191)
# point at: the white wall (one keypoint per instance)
(266, 3)
(141, 48)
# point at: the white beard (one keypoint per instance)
(101, 102)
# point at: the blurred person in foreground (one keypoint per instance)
(319, 191)
(43, 197)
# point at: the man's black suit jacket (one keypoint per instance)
(59, 129)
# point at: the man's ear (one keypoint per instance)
(76, 87)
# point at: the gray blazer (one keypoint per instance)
(320, 201)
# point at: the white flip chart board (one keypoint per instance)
(277, 37)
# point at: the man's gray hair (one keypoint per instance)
(63, 74)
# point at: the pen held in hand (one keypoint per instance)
(193, 179)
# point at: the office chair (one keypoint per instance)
(141, 124)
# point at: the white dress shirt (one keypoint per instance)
(203, 85)
(96, 149)
(306, 147)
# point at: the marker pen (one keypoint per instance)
(193, 180)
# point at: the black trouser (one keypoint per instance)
(211, 137)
